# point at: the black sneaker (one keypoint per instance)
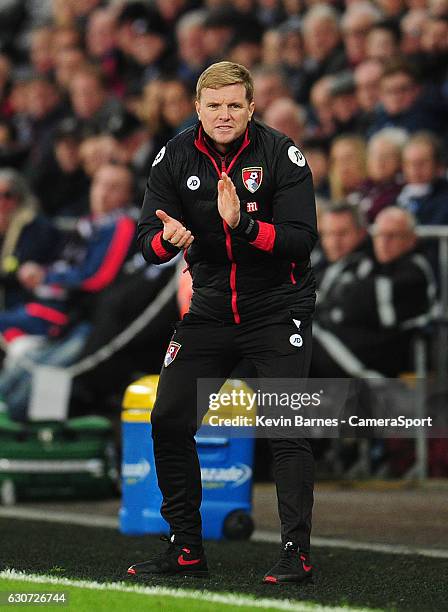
(176, 560)
(293, 566)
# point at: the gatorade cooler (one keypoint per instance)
(226, 469)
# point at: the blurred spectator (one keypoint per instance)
(12, 154)
(287, 117)
(438, 8)
(270, 51)
(325, 54)
(291, 57)
(405, 104)
(96, 151)
(392, 9)
(347, 166)
(65, 37)
(89, 99)
(100, 35)
(356, 23)
(41, 52)
(5, 74)
(367, 80)
(149, 46)
(425, 192)
(383, 42)
(343, 233)
(322, 121)
(62, 186)
(316, 154)
(190, 46)
(67, 62)
(132, 144)
(383, 182)
(344, 104)
(367, 311)
(88, 264)
(411, 27)
(80, 10)
(172, 10)
(43, 112)
(269, 85)
(25, 235)
(177, 105)
(244, 49)
(435, 50)
(220, 25)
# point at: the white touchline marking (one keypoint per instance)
(224, 598)
(272, 537)
(391, 549)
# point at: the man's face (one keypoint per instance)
(419, 166)
(398, 93)
(110, 190)
(339, 235)
(392, 236)
(268, 88)
(367, 78)
(87, 95)
(383, 160)
(355, 33)
(177, 104)
(224, 113)
(321, 38)
(42, 99)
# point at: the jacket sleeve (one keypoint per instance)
(405, 293)
(293, 231)
(105, 256)
(161, 193)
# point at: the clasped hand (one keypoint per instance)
(228, 207)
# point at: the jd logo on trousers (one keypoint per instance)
(296, 339)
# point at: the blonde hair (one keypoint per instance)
(225, 73)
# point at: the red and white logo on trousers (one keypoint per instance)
(171, 353)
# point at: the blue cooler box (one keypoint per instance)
(226, 469)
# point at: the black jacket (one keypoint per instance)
(261, 266)
(371, 311)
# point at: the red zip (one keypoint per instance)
(236, 315)
(201, 146)
(293, 280)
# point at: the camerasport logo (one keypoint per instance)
(171, 353)
(252, 178)
(232, 476)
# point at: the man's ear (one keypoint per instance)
(197, 106)
(251, 109)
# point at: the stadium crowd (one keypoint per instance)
(90, 90)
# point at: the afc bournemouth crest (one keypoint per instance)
(252, 178)
(171, 353)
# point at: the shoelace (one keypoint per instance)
(172, 546)
(288, 553)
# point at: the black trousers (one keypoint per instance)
(210, 349)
